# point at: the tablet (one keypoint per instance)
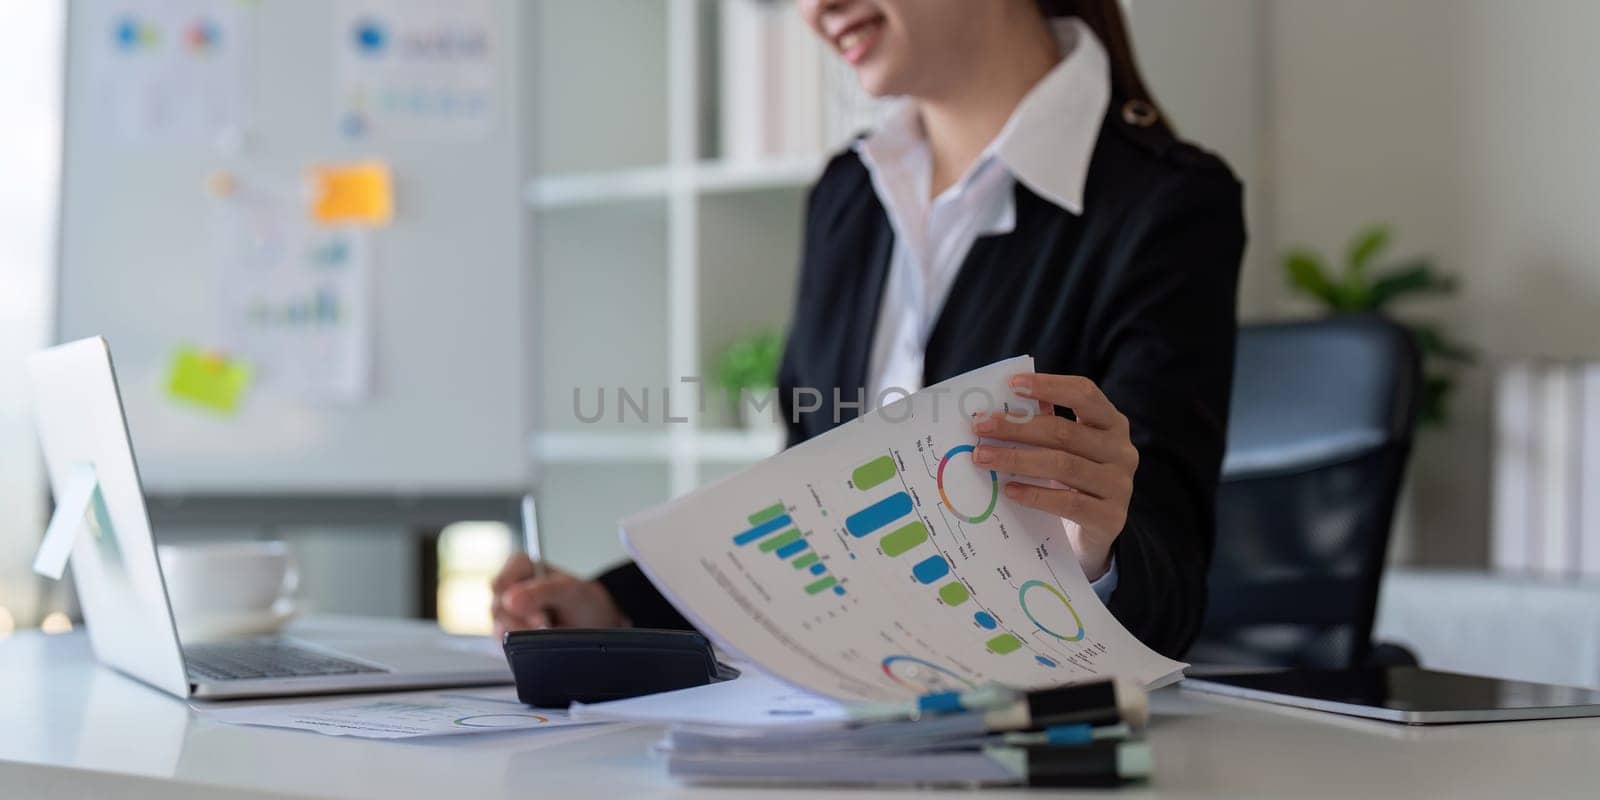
(1411, 695)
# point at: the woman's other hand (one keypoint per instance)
(1089, 462)
(524, 599)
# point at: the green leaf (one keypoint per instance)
(751, 363)
(1413, 277)
(1355, 295)
(1433, 343)
(1366, 244)
(1434, 408)
(1306, 273)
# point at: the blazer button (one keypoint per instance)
(1140, 113)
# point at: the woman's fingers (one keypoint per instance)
(1091, 513)
(1078, 393)
(1056, 433)
(1082, 474)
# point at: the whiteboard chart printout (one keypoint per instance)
(296, 297)
(877, 562)
(414, 68)
(171, 71)
(398, 716)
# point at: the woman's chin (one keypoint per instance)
(878, 81)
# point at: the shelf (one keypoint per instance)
(600, 447)
(645, 183)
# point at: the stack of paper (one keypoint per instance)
(756, 729)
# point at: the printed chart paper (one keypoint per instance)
(296, 296)
(752, 700)
(398, 716)
(877, 562)
(414, 67)
(171, 71)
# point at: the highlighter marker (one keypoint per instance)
(1097, 764)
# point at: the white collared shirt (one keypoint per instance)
(1046, 145)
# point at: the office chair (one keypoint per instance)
(1319, 432)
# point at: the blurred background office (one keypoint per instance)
(538, 204)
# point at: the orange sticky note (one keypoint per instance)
(359, 193)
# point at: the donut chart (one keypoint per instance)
(994, 485)
(500, 720)
(1050, 589)
(922, 676)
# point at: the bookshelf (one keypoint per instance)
(652, 253)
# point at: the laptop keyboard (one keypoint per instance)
(248, 660)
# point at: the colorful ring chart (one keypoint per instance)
(1022, 599)
(994, 485)
(499, 720)
(921, 688)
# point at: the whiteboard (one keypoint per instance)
(448, 408)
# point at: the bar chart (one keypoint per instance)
(772, 530)
(907, 532)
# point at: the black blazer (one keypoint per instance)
(1137, 293)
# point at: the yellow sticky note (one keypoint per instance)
(360, 193)
(207, 379)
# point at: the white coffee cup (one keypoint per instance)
(221, 589)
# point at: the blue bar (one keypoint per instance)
(931, 569)
(791, 548)
(838, 590)
(818, 569)
(762, 530)
(878, 514)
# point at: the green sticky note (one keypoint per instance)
(207, 379)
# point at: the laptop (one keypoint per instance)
(123, 595)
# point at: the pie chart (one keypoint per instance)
(964, 488)
(1050, 610)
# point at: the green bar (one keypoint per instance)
(779, 541)
(873, 473)
(805, 561)
(903, 539)
(954, 593)
(1004, 643)
(822, 585)
(766, 514)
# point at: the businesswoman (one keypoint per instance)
(1026, 197)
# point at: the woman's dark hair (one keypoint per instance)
(1104, 17)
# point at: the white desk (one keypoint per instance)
(70, 728)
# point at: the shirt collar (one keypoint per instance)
(1049, 139)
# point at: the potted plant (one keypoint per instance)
(750, 365)
(1365, 287)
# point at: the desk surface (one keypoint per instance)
(72, 728)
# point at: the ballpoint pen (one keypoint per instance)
(531, 540)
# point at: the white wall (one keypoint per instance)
(30, 152)
(1206, 64)
(1473, 126)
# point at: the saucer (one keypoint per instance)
(205, 627)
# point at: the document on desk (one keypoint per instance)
(877, 562)
(753, 700)
(398, 716)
